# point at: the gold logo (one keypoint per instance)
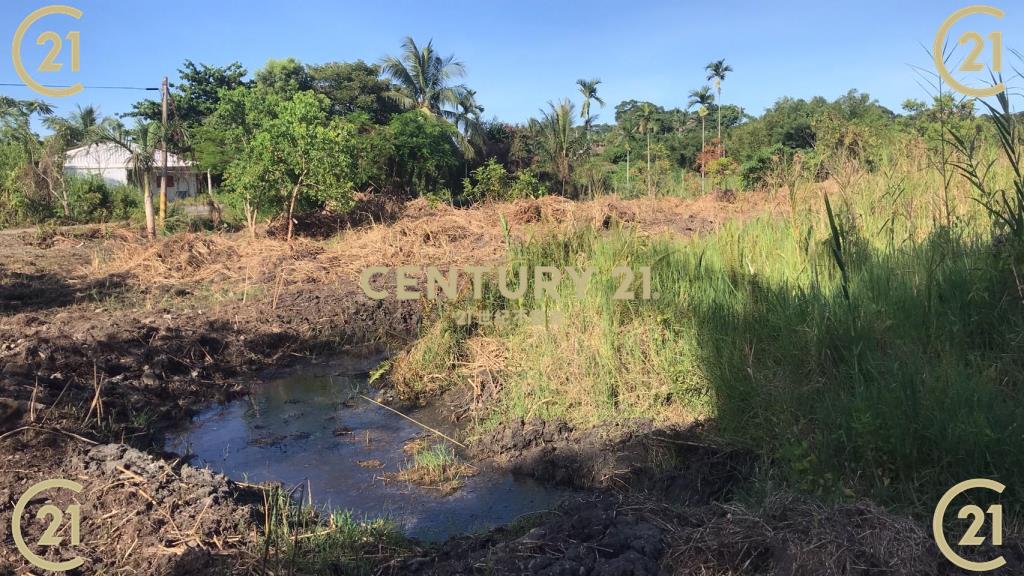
(49, 63)
(977, 515)
(970, 63)
(56, 519)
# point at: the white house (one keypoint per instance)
(112, 163)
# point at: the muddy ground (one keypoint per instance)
(106, 340)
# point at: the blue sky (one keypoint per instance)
(520, 54)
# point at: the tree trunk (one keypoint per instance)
(648, 162)
(291, 208)
(250, 217)
(629, 188)
(163, 154)
(703, 159)
(147, 203)
(721, 145)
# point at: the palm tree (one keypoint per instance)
(557, 137)
(645, 125)
(471, 128)
(621, 136)
(424, 79)
(141, 144)
(15, 120)
(77, 128)
(717, 71)
(42, 158)
(704, 98)
(588, 88)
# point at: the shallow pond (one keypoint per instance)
(314, 427)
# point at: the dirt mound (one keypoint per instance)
(140, 514)
(800, 537)
(369, 210)
(600, 536)
(192, 258)
(679, 463)
(525, 212)
(613, 535)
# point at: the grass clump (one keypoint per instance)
(425, 369)
(435, 466)
(299, 539)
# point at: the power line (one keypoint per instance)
(22, 84)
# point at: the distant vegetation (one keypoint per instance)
(297, 138)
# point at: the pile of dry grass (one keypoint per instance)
(203, 258)
(800, 537)
(425, 235)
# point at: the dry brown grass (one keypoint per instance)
(800, 537)
(425, 235)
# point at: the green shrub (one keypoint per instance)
(488, 182)
(720, 170)
(125, 203)
(755, 173)
(492, 182)
(88, 198)
(527, 185)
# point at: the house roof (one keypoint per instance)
(110, 155)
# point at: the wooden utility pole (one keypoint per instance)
(163, 146)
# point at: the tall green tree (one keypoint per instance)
(717, 71)
(469, 123)
(81, 126)
(415, 154)
(284, 77)
(15, 117)
(34, 170)
(588, 89)
(299, 154)
(424, 79)
(196, 94)
(702, 98)
(355, 87)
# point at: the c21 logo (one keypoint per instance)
(49, 63)
(54, 517)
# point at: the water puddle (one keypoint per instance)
(313, 426)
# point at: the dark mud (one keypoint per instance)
(678, 463)
(601, 535)
(138, 512)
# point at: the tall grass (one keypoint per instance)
(870, 350)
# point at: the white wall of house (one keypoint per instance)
(110, 162)
(180, 184)
(110, 176)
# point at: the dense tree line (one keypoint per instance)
(293, 138)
